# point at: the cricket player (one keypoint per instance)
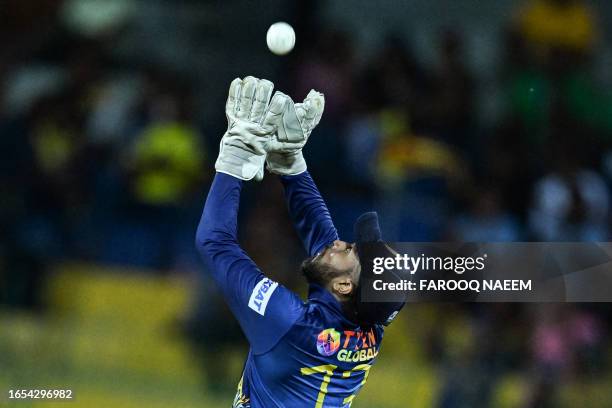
(309, 354)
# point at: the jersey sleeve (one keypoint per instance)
(264, 309)
(309, 213)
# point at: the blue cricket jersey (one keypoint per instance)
(302, 354)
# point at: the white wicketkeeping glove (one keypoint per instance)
(294, 123)
(241, 152)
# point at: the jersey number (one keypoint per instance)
(328, 371)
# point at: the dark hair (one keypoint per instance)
(320, 273)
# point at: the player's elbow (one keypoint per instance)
(204, 239)
(209, 241)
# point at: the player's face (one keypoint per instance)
(341, 255)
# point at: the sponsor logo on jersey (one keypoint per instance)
(358, 346)
(357, 356)
(261, 295)
(353, 345)
(328, 342)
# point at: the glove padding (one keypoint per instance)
(294, 123)
(241, 152)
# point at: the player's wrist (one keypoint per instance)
(238, 160)
(286, 164)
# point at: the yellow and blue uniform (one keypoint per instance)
(302, 354)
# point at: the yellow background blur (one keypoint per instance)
(109, 337)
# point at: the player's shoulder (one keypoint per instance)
(269, 298)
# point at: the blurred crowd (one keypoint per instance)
(107, 156)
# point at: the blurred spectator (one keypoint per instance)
(486, 220)
(327, 67)
(166, 159)
(111, 120)
(404, 155)
(393, 79)
(362, 143)
(571, 203)
(527, 90)
(552, 352)
(558, 26)
(165, 169)
(212, 331)
(452, 96)
(414, 175)
(388, 99)
(564, 340)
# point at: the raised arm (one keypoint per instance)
(217, 239)
(264, 309)
(306, 206)
(308, 212)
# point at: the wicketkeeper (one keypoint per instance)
(309, 354)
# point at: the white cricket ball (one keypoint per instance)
(280, 38)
